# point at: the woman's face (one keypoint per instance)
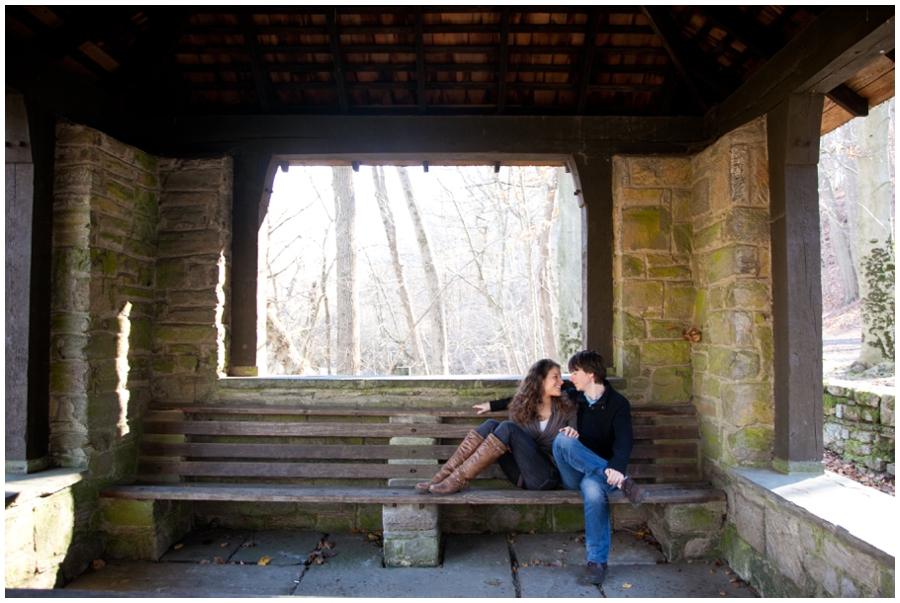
(553, 383)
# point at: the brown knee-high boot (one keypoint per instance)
(473, 440)
(489, 451)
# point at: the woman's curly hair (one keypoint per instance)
(525, 404)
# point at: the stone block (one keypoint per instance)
(681, 205)
(752, 445)
(642, 295)
(708, 237)
(672, 384)
(749, 521)
(733, 260)
(195, 180)
(867, 399)
(665, 353)
(683, 237)
(694, 518)
(748, 403)
(646, 228)
(410, 518)
(664, 329)
(782, 537)
(630, 326)
(730, 328)
(700, 197)
(735, 365)
(632, 265)
(887, 410)
(53, 526)
(822, 573)
(854, 563)
(749, 294)
(661, 171)
(411, 549)
(747, 225)
(183, 218)
(640, 196)
(679, 273)
(678, 301)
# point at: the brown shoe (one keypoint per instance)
(595, 574)
(633, 492)
(489, 451)
(469, 445)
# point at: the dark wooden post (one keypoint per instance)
(793, 140)
(593, 186)
(253, 176)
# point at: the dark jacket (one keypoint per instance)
(604, 428)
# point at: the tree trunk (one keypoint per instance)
(432, 279)
(390, 230)
(840, 244)
(545, 277)
(286, 354)
(347, 335)
(875, 227)
(569, 267)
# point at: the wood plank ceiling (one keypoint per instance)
(517, 60)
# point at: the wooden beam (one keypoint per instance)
(744, 27)
(420, 61)
(850, 101)
(840, 42)
(673, 43)
(587, 59)
(260, 75)
(411, 49)
(335, 49)
(504, 60)
(492, 67)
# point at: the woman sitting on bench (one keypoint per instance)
(522, 446)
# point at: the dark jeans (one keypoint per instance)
(525, 464)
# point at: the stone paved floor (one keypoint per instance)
(223, 562)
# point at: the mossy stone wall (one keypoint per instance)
(859, 425)
(654, 293)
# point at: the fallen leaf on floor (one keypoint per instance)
(722, 592)
(264, 561)
(319, 561)
(535, 561)
(354, 531)
(712, 571)
(324, 544)
(219, 560)
(248, 544)
(204, 561)
(178, 546)
(524, 565)
(718, 562)
(626, 585)
(727, 572)
(223, 545)
(98, 564)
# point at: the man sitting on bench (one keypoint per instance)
(594, 458)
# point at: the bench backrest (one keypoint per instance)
(361, 445)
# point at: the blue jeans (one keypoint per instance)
(525, 465)
(581, 469)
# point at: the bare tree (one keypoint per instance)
(432, 278)
(347, 332)
(390, 230)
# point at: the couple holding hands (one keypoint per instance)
(580, 439)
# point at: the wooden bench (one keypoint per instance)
(340, 454)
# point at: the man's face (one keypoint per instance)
(580, 379)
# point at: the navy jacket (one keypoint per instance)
(604, 428)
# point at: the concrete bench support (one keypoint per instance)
(412, 536)
(143, 529)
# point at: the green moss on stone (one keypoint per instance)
(683, 236)
(630, 361)
(567, 518)
(678, 301)
(671, 384)
(646, 228)
(748, 294)
(665, 353)
(119, 191)
(670, 272)
(145, 161)
(632, 266)
(642, 294)
(128, 513)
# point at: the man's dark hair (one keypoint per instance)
(589, 361)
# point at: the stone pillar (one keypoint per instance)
(875, 226)
(732, 362)
(593, 187)
(253, 177)
(793, 144)
(654, 294)
(190, 339)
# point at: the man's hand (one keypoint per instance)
(569, 431)
(483, 408)
(613, 477)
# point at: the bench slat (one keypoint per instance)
(373, 430)
(362, 451)
(658, 493)
(360, 471)
(679, 410)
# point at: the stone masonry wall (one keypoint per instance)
(859, 425)
(733, 362)
(190, 338)
(654, 294)
(103, 310)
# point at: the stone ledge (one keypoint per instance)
(22, 488)
(853, 513)
(362, 383)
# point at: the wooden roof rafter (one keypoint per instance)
(335, 48)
